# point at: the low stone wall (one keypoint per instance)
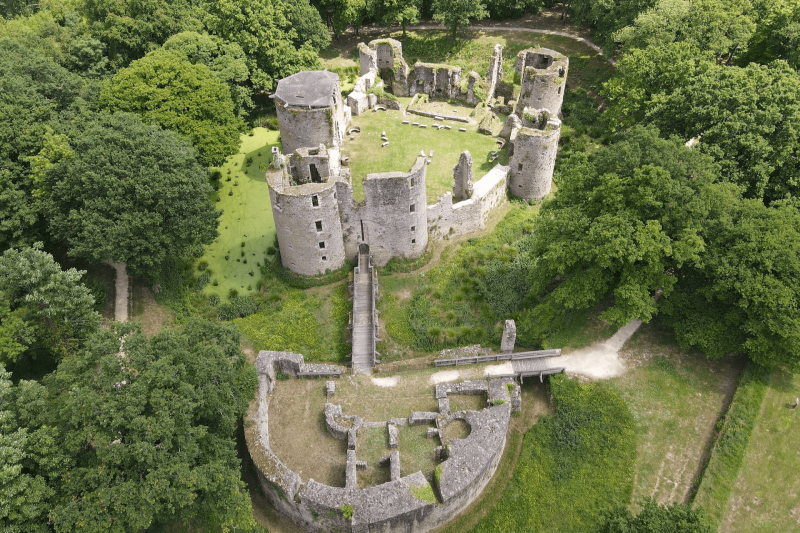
(432, 115)
(446, 219)
(393, 507)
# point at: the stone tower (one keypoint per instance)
(543, 79)
(534, 157)
(310, 110)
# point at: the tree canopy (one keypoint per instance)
(131, 192)
(165, 88)
(455, 14)
(143, 428)
(41, 305)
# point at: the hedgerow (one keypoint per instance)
(573, 466)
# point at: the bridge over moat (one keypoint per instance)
(364, 318)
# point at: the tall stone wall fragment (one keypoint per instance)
(474, 78)
(367, 58)
(495, 74)
(509, 337)
(462, 177)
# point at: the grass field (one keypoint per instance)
(247, 218)
(765, 496)
(405, 143)
(676, 399)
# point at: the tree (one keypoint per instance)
(742, 297)
(748, 118)
(131, 192)
(131, 28)
(29, 454)
(777, 35)
(607, 17)
(165, 88)
(42, 305)
(620, 225)
(34, 89)
(226, 60)
(654, 518)
(456, 14)
(400, 12)
(724, 28)
(264, 31)
(148, 424)
(305, 20)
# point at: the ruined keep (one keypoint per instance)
(543, 79)
(534, 156)
(310, 110)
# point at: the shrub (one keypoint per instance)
(213, 300)
(202, 280)
(233, 293)
(238, 307)
(347, 511)
(202, 265)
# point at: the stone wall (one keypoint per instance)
(391, 219)
(391, 507)
(533, 159)
(543, 74)
(305, 127)
(437, 81)
(392, 68)
(495, 74)
(448, 219)
(307, 165)
(308, 225)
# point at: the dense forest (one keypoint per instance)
(112, 114)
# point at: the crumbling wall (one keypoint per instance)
(448, 219)
(543, 79)
(308, 226)
(534, 158)
(473, 87)
(367, 58)
(435, 80)
(495, 74)
(395, 213)
(391, 219)
(391, 66)
(308, 165)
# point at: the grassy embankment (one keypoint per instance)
(764, 497)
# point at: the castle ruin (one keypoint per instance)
(318, 222)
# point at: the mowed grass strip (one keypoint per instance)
(764, 498)
(246, 218)
(676, 398)
(729, 451)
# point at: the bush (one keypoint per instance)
(202, 280)
(238, 307)
(347, 511)
(213, 300)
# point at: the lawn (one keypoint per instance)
(406, 141)
(765, 496)
(676, 398)
(246, 219)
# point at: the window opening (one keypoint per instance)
(315, 201)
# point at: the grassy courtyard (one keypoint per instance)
(246, 219)
(367, 156)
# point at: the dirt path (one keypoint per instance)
(121, 288)
(600, 360)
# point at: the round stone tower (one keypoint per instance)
(543, 79)
(534, 157)
(308, 226)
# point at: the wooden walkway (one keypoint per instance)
(364, 317)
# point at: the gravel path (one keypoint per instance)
(121, 287)
(600, 360)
